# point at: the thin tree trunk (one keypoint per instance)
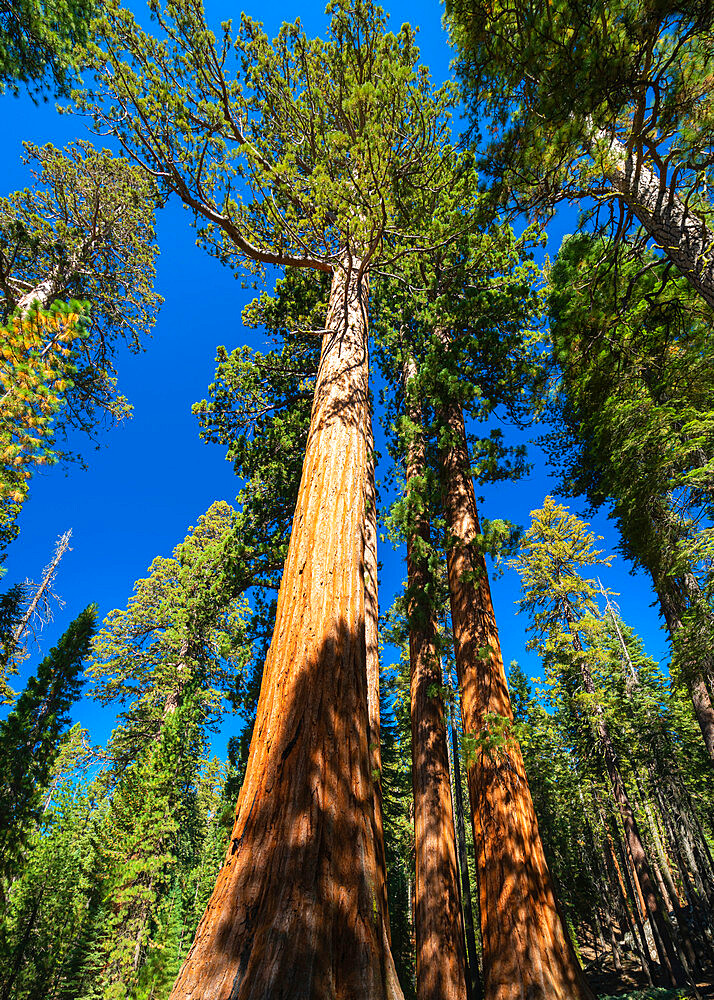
(19, 954)
(440, 954)
(673, 225)
(47, 575)
(526, 952)
(472, 962)
(614, 946)
(663, 940)
(296, 910)
(638, 930)
(669, 888)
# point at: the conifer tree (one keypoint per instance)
(181, 633)
(373, 139)
(41, 45)
(471, 349)
(146, 822)
(49, 912)
(440, 948)
(170, 658)
(30, 736)
(620, 112)
(567, 618)
(634, 431)
(77, 263)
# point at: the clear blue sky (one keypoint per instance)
(152, 476)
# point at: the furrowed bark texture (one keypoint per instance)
(440, 955)
(683, 236)
(472, 968)
(296, 913)
(371, 628)
(526, 952)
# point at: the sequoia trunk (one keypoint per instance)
(471, 950)
(440, 957)
(526, 952)
(295, 913)
(371, 628)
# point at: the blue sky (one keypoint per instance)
(152, 476)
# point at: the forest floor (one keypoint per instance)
(631, 983)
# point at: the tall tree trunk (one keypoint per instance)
(371, 629)
(472, 951)
(526, 952)
(296, 910)
(673, 225)
(669, 889)
(440, 954)
(625, 917)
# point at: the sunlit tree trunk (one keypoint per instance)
(296, 911)
(371, 628)
(472, 968)
(672, 223)
(440, 952)
(526, 952)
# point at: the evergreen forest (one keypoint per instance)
(357, 500)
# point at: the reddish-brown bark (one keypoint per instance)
(371, 629)
(473, 975)
(526, 952)
(296, 912)
(440, 954)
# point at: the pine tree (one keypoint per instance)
(50, 909)
(183, 631)
(41, 47)
(77, 263)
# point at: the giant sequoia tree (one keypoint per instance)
(466, 319)
(326, 141)
(440, 951)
